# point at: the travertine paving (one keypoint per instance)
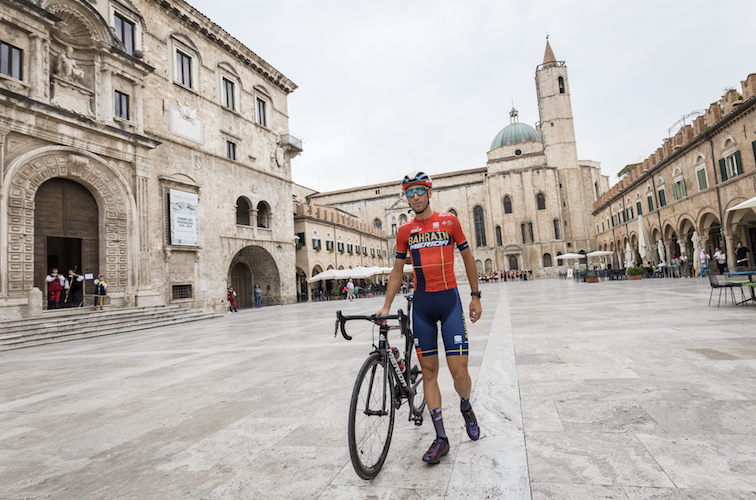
(624, 390)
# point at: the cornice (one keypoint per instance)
(215, 34)
(748, 106)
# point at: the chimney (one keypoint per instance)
(687, 134)
(729, 99)
(749, 86)
(699, 126)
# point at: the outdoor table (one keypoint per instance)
(750, 283)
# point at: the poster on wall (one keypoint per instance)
(184, 218)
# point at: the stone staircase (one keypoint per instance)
(81, 323)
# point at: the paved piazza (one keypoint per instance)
(616, 390)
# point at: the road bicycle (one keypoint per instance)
(383, 384)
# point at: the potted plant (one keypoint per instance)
(298, 246)
(317, 249)
(330, 250)
(335, 290)
(369, 286)
(591, 276)
(634, 273)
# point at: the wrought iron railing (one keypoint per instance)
(291, 140)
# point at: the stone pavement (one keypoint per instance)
(617, 390)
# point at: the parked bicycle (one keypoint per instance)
(383, 384)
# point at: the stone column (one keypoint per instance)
(144, 279)
(253, 222)
(38, 66)
(730, 244)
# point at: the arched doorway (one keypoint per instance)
(302, 294)
(262, 271)
(489, 266)
(547, 260)
(66, 231)
(241, 280)
(513, 263)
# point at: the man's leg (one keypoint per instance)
(462, 380)
(440, 446)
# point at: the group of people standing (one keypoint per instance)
(741, 259)
(69, 289)
(231, 298)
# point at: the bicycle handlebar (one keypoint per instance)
(375, 318)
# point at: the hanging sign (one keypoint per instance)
(184, 218)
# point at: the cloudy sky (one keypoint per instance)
(395, 86)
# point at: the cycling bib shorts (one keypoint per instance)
(428, 308)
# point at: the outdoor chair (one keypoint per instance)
(717, 282)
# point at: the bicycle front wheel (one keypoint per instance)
(371, 417)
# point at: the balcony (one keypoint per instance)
(291, 142)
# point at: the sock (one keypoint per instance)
(438, 422)
(464, 404)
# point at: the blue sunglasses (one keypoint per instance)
(420, 191)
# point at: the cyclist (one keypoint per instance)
(430, 238)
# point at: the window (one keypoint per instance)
(507, 205)
(183, 69)
(316, 243)
(662, 198)
(678, 189)
(561, 85)
(453, 212)
(179, 292)
(530, 231)
(242, 214)
(556, 229)
(231, 150)
(261, 119)
(499, 240)
(121, 105)
(547, 260)
(613, 221)
(630, 211)
(301, 240)
(377, 224)
(340, 247)
(731, 166)
(480, 228)
(228, 94)
(124, 31)
(595, 185)
(522, 228)
(650, 203)
(541, 201)
(350, 248)
(393, 228)
(329, 245)
(639, 208)
(701, 177)
(602, 227)
(11, 61)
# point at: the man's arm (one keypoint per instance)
(472, 276)
(394, 282)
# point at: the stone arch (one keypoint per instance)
(243, 207)
(540, 201)
(705, 220)
(736, 215)
(83, 24)
(489, 266)
(264, 215)
(118, 236)
(263, 271)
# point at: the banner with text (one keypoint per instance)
(184, 218)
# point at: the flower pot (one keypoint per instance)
(591, 280)
(634, 276)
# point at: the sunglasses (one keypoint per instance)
(420, 191)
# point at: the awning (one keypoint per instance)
(568, 256)
(599, 253)
(742, 206)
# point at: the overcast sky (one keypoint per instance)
(389, 87)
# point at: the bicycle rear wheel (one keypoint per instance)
(371, 417)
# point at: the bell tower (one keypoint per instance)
(555, 110)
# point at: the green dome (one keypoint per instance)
(515, 133)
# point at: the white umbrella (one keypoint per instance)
(408, 269)
(358, 273)
(325, 275)
(746, 204)
(570, 256)
(643, 240)
(660, 248)
(598, 253)
(628, 255)
(696, 240)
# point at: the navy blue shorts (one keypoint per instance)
(428, 308)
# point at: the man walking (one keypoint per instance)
(430, 238)
(350, 290)
(741, 255)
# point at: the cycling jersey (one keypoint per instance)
(431, 245)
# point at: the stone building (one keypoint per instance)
(141, 141)
(328, 238)
(688, 185)
(531, 202)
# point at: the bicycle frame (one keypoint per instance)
(402, 379)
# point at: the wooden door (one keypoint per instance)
(66, 230)
(241, 281)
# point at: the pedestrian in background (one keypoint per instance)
(231, 299)
(258, 296)
(55, 284)
(101, 291)
(74, 285)
(721, 259)
(741, 255)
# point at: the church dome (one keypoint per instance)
(515, 133)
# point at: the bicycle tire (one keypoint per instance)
(366, 448)
(417, 398)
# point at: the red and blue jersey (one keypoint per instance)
(430, 243)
